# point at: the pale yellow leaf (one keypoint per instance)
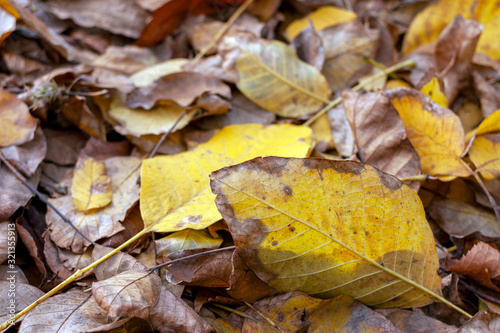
(91, 186)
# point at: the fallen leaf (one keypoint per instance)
(410, 322)
(17, 126)
(434, 131)
(462, 220)
(25, 294)
(297, 312)
(175, 192)
(379, 134)
(483, 322)
(296, 223)
(91, 185)
(342, 135)
(186, 240)
(429, 23)
(488, 96)
(127, 293)
(433, 90)
(68, 312)
(152, 73)
(481, 263)
(128, 59)
(7, 25)
(321, 18)
(485, 150)
(309, 47)
(63, 146)
(124, 172)
(78, 112)
(274, 78)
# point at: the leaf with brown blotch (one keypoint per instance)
(434, 131)
(25, 294)
(330, 228)
(127, 293)
(379, 134)
(297, 312)
(17, 125)
(182, 89)
(91, 185)
(211, 270)
(124, 172)
(72, 311)
(481, 263)
(485, 150)
(433, 90)
(275, 79)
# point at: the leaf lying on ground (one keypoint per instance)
(485, 150)
(175, 192)
(17, 125)
(481, 263)
(297, 312)
(186, 240)
(274, 78)
(91, 185)
(329, 228)
(435, 132)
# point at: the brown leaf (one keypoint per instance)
(63, 146)
(380, 134)
(17, 125)
(481, 263)
(309, 47)
(25, 294)
(412, 322)
(483, 322)
(180, 88)
(127, 59)
(118, 263)
(78, 112)
(488, 96)
(342, 134)
(127, 293)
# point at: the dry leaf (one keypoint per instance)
(483, 322)
(91, 185)
(311, 224)
(127, 293)
(25, 294)
(17, 126)
(434, 131)
(274, 78)
(186, 240)
(411, 322)
(152, 73)
(124, 172)
(433, 90)
(485, 150)
(175, 192)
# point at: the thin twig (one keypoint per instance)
(269, 320)
(361, 85)
(164, 136)
(236, 312)
(41, 196)
(223, 30)
(191, 256)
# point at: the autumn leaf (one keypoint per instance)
(17, 126)
(433, 90)
(91, 186)
(485, 149)
(186, 240)
(175, 192)
(274, 78)
(330, 228)
(435, 132)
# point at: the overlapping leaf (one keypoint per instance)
(175, 192)
(485, 150)
(91, 186)
(329, 228)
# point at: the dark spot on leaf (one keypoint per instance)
(292, 229)
(274, 243)
(367, 233)
(391, 182)
(280, 317)
(263, 197)
(287, 190)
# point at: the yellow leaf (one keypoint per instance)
(433, 90)
(393, 84)
(330, 228)
(175, 191)
(17, 125)
(321, 18)
(429, 23)
(150, 74)
(434, 131)
(485, 150)
(5, 5)
(91, 186)
(274, 78)
(186, 240)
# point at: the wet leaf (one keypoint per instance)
(435, 132)
(175, 192)
(274, 78)
(326, 228)
(127, 293)
(17, 126)
(321, 18)
(91, 185)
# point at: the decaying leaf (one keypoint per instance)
(175, 192)
(17, 126)
(297, 312)
(274, 78)
(91, 185)
(124, 172)
(312, 225)
(435, 132)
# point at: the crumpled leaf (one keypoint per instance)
(481, 263)
(434, 131)
(91, 185)
(68, 312)
(124, 172)
(312, 225)
(485, 150)
(379, 134)
(274, 78)
(297, 312)
(17, 125)
(175, 192)
(127, 293)
(429, 23)
(321, 18)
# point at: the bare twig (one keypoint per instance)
(164, 136)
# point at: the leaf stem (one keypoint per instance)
(361, 85)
